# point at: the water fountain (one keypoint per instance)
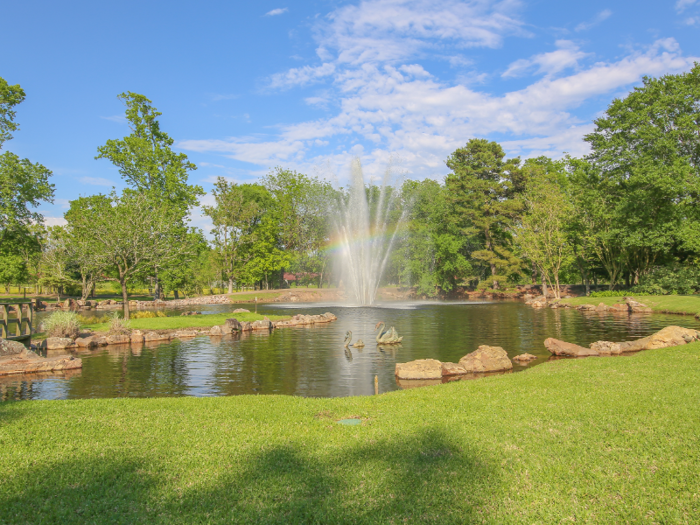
(366, 228)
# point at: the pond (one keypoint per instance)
(311, 361)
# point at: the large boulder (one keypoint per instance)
(216, 331)
(246, 326)
(262, 325)
(524, 358)
(606, 348)
(557, 347)
(232, 325)
(241, 311)
(419, 369)
(56, 343)
(86, 342)
(137, 337)
(586, 307)
(118, 339)
(669, 336)
(185, 334)
(155, 336)
(12, 348)
(32, 363)
(452, 369)
(636, 306)
(486, 359)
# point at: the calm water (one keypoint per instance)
(311, 361)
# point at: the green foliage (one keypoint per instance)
(62, 324)
(13, 269)
(669, 280)
(10, 96)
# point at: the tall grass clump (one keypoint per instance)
(146, 314)
(62, 324)
(117, 325)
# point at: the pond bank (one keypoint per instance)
(511, 449)
(663, 304)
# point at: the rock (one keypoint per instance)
(601, 307)
(11, 348)
(246, 326)
(137, 337)
(621, 308)
(33, 363)
(190, 313)
(183, 334)
(155, 336)
(419, 369)
(232, 325)
(452, 369)
(486, 359)
(56, 343)
(669, 336)
(606, 348)
(86, 342)
(241, 311)
(216, 331)
(586, 307)
(118, 339)
(636, 307)
(101, 341)
(262, 325)
(524, 358)
(557, 347)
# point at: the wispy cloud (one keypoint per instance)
(55, 221)
(217, 97)
(566, 56)
(278, 11)
(600, 18)
(120, 119)
(210, 165)
(96, 181)
(682, 5)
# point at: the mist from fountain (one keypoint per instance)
(366, 232)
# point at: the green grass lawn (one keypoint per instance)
(676, 304)
(597, 440)
(188, 321)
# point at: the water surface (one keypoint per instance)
(311, 361)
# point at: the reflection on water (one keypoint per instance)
(311, 361)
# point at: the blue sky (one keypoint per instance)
(247, 86)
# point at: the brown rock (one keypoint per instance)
(118, 339)
(601, 307)
(56, 343)
(184, 334)
(622, 308)
(11, 348)
(155, 336)
(101, 341)
(419, 369)
(246, 326)
(606, 348)
(232, 325)
(136, 337)
(452, 369)
(241, 311)
(557, 347)
(586, 307)
(262, 325)
(33, 363)
(669, 336)
(86, 342)
(486, 359)
(524, 358)
(216, 331)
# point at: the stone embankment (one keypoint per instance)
(88, 340)
(669, 336)
(483, 359)
(629, 306)
(15, 358)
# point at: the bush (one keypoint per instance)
(83, 320)
(62, 324)
(117, 325)
(147, 314)
(608, 293)
(667, 280)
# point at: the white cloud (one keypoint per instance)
(55, 221)
(63, 203)
(278, 11)
(681, 5)
(119, 119)
(566, 56)
(301, 76)
(600, 18)
(210, 165)
(96, 181)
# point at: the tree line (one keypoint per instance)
(626, 214)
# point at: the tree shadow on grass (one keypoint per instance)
(426, 477)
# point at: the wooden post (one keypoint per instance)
(3, 322)
(19, 320)
(376, 385)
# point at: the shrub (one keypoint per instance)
(62, 324)
(667, 280)
(117, 325)
(144, 314)
(83, 320)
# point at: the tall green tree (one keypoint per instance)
(145, 159)
(483, 190)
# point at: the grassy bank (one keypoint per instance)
(605, 440)
(187, 321)
(674, 304)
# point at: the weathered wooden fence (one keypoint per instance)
(22, 324)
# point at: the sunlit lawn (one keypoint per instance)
(189, 321)
(598, 440)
